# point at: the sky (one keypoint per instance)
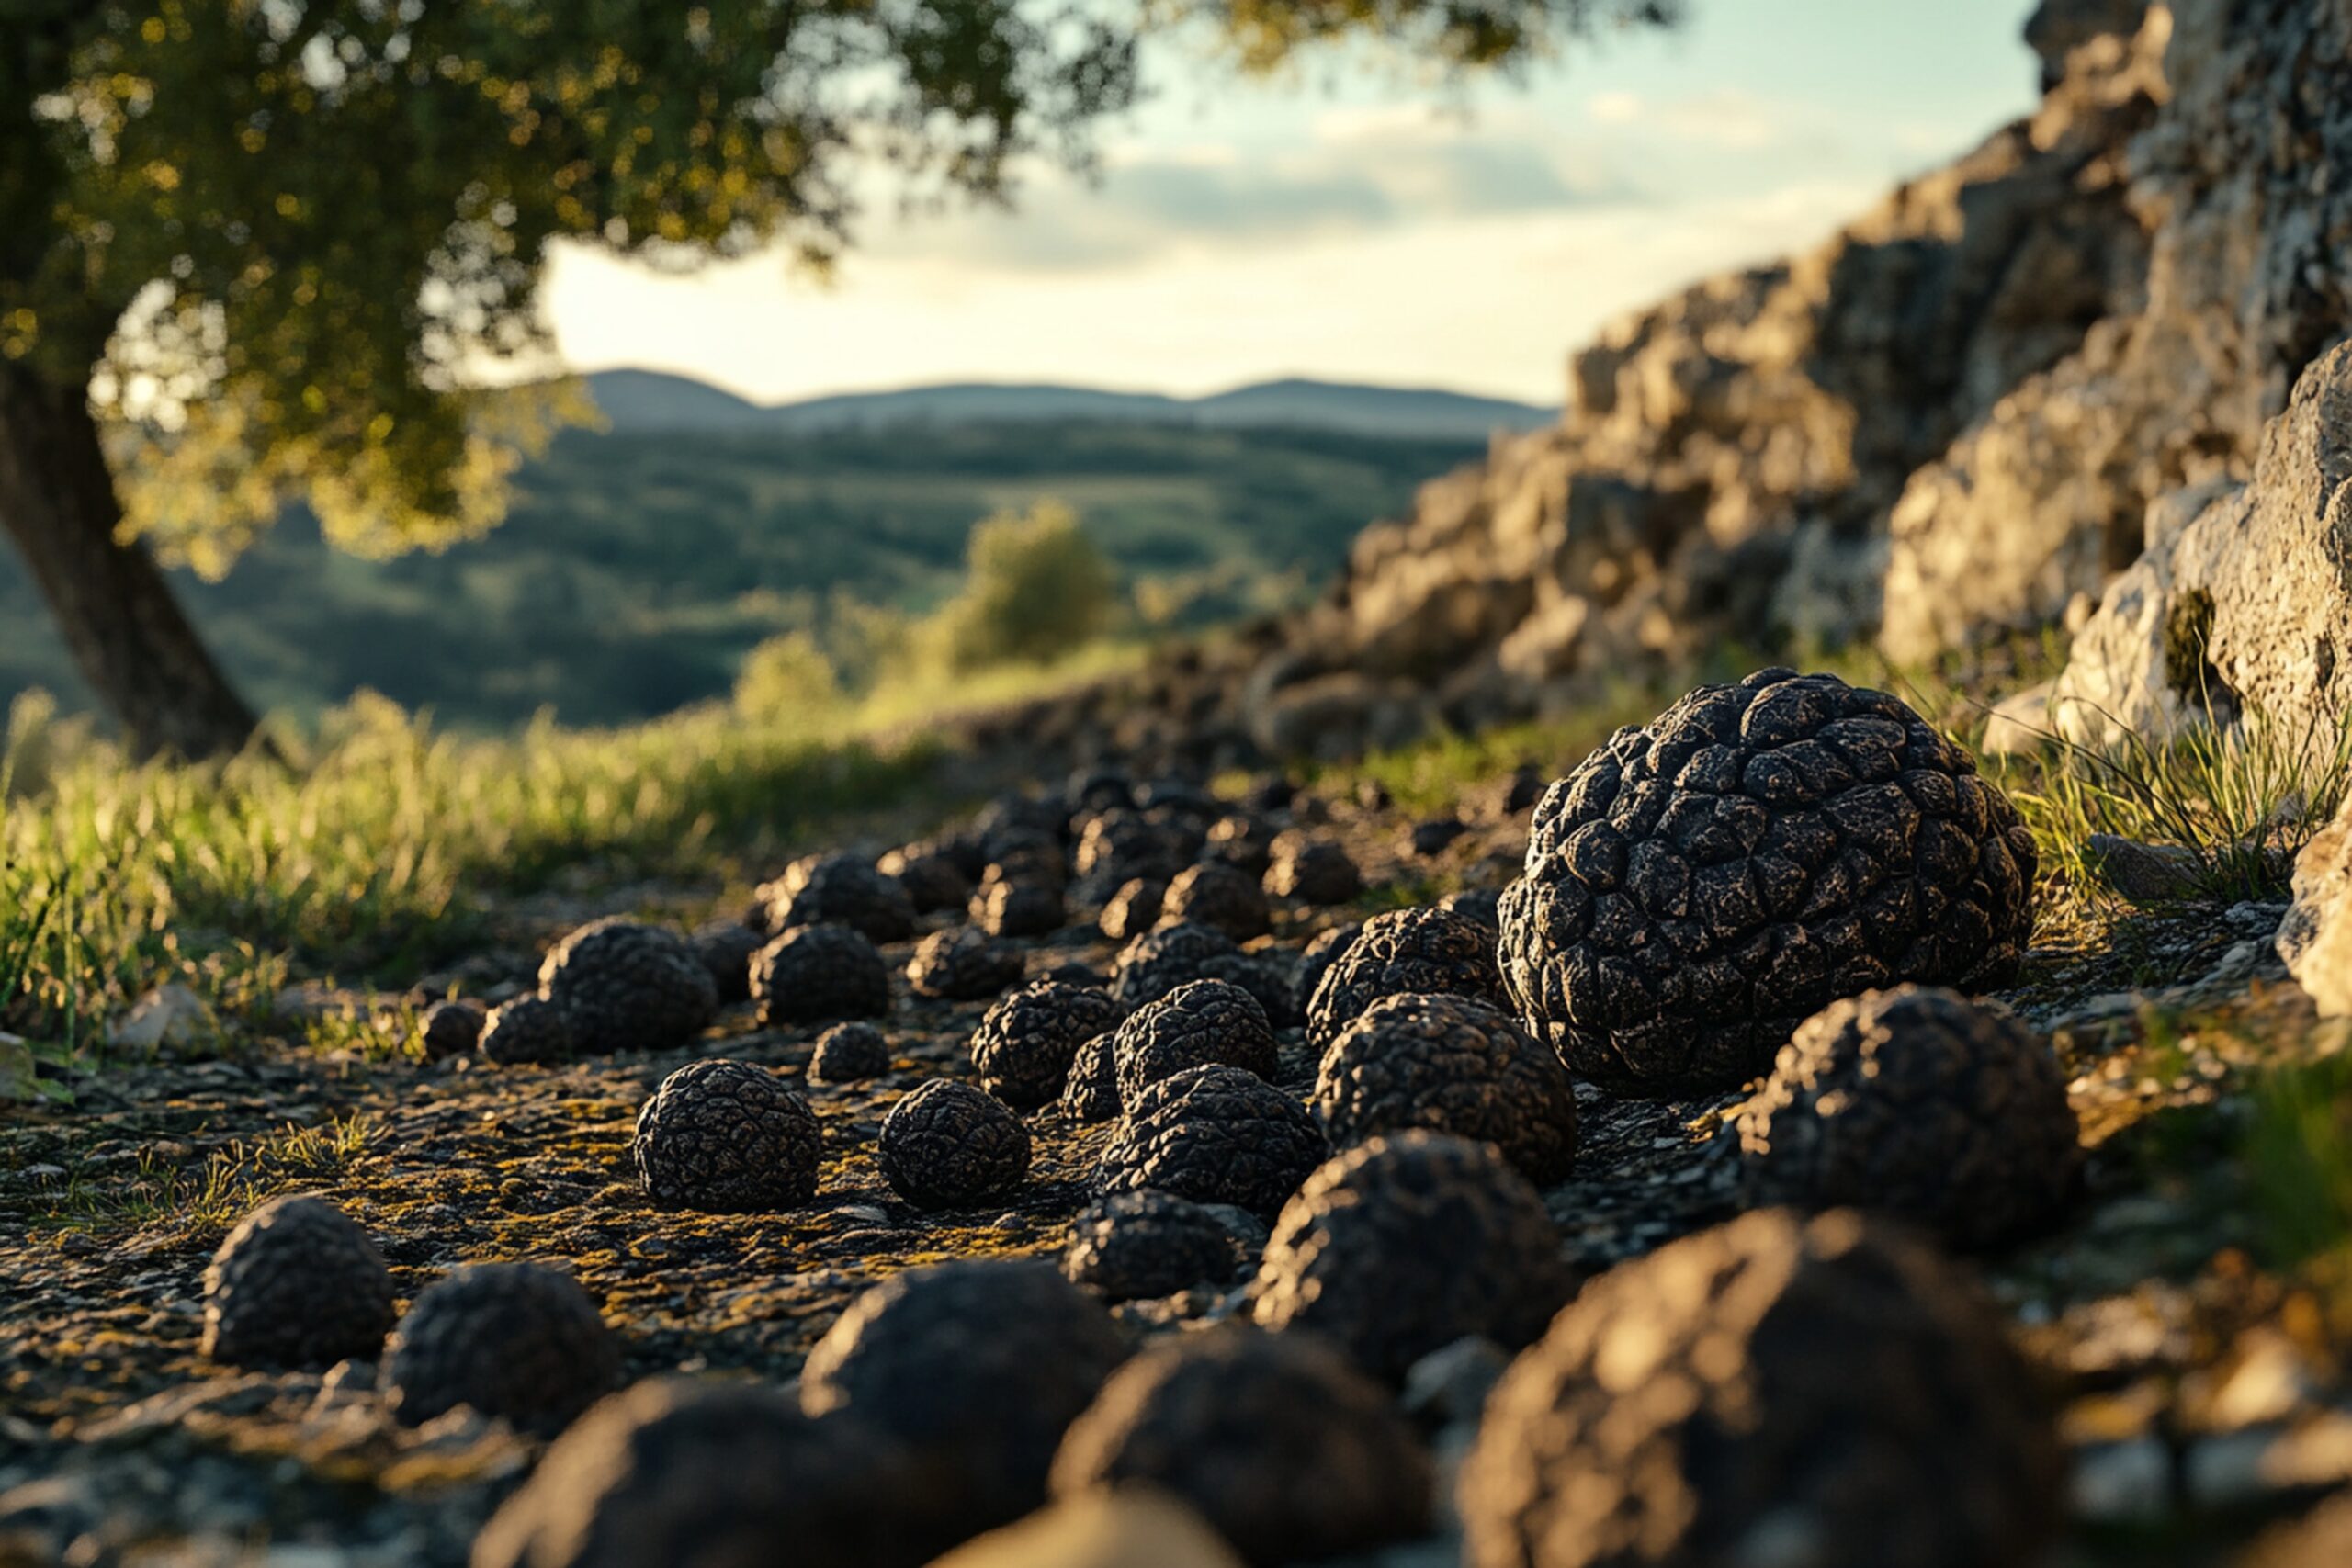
(1351, 225)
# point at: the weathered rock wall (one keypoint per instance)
(1955, 418)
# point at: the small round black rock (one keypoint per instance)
(947, 1145)
(964, 965)
(974, 1367)
(820, 974)
(1922, 1104)
(516, 1341)
(529, 1028)
(1407, 1244)
(451, 1026)
(1207, 1020)
(1291, 1454)
(1132, 1245)
(1405, 952)
(703, 1472)
(1450, 1064)
(850, 1053)
(727, 1137)
(1216, 1135)
(1024, 1045)
(297, 1284)
(627, 985)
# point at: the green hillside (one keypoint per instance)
(636, 569)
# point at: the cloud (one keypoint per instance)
(1356, 178)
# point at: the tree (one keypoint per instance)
(257, 251)
(1035, 588)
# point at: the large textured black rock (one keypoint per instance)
(529, 1028)
(1407, 1244)
(1216, 1135)
(1161, 959)
(1922, 1104)
(849, 1053)
(296, 1284)
(842, 890)
(626, 986)
(1207, 1020)
(1823, 1392)
(1702, 883)
(517, 1342)
(1290, 1453)
(1024, 1045)
(1309, 870)
(1242, 841)
(1452, 1065)
(819, 975)
(1405, 952)
(963, 964)
(946, 1144)
(694, 1472)
(1265, 976)
(728, 1138)
(1218, 894)
(1135, 1244)
(975, 1368)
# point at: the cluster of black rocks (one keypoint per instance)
(1775, 878)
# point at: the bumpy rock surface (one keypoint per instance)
(1407, 1244)
(820, 974)
(1827, 1384)
(976, 1368)
(929, 879)
(1024, 1045)
(1405, 952)
(1451, 1064)
(518, 1342)
(1218, 894)
(1310, 870)
(728, 1138)
(1117, 846)
(451, 1028)
(1158, 962)
(1264, 976)
(1191, 1026)
(1090, 1093)
(1922, 1104)
(296, 1284)
(1240, 839)
(1216, 1135)
(2316, 939)
(1134, 908)
(1291, 1454)
(626, 986)
(1702, 883)
(1135, 1244)
(849, 1053)
(1006, 907)
(703, 1474)
(947, 1144)
(726, 949)
(963, 964)
(1315, 961)
(529, 1028)
(844, 890)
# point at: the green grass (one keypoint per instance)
(208, 1200)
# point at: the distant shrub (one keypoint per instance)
(1037, 588)
(788, 681)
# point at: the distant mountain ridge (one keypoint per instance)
(651, 402)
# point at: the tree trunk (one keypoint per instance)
(111, 603)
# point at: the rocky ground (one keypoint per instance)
(2203, 1393)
